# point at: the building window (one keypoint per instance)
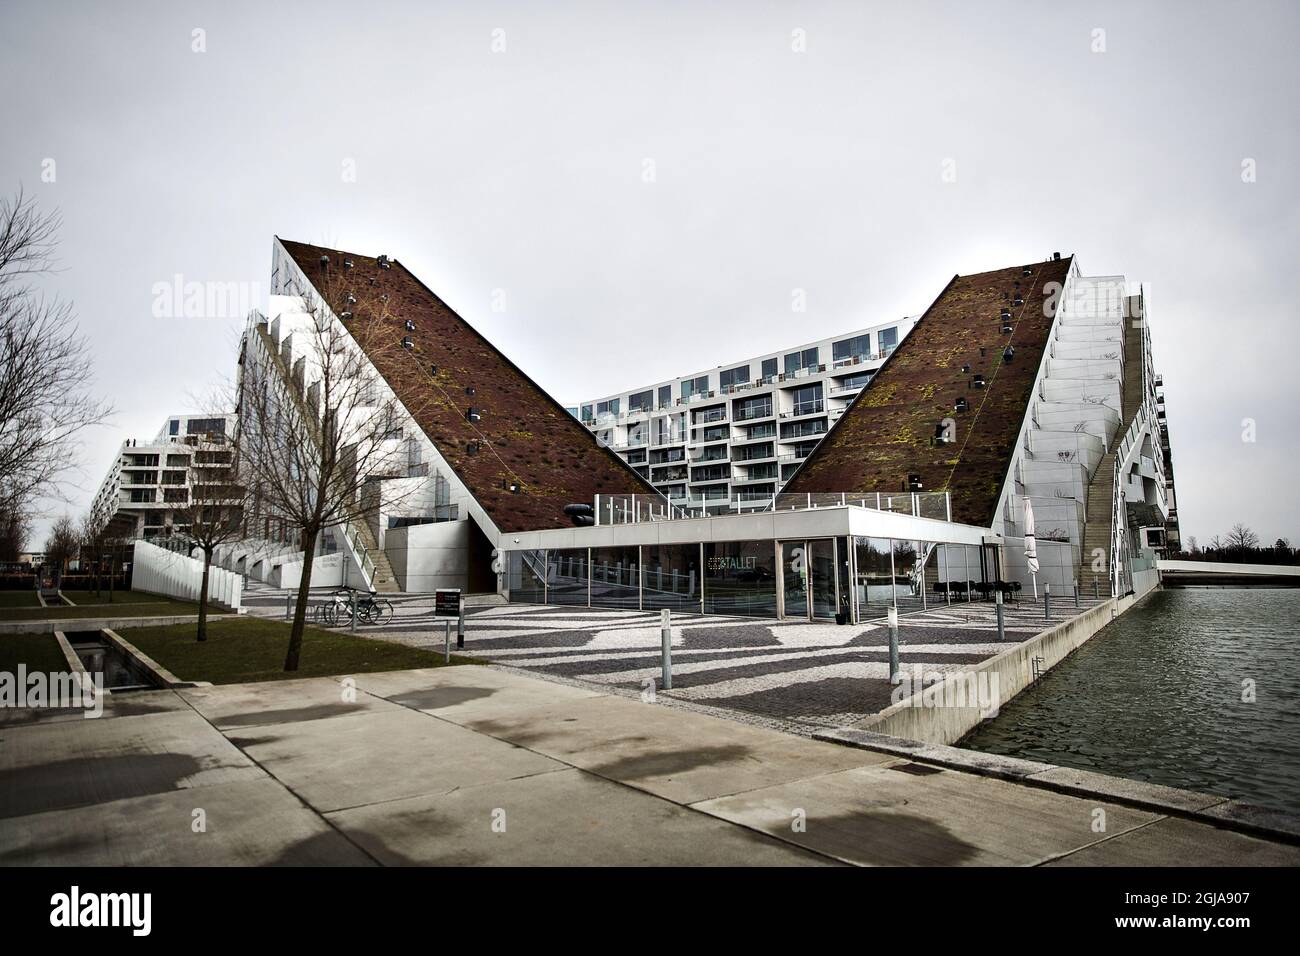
(740, 578)
(758, 407)
(641, 401)
(605, 409)
(796, 361)
(856, 381)
(733, 376)
(695, 386)
(665, 395)
(888, 339)
(587, 413)
(769, 369)
(174, 427)
(808, 400)
(858, 347)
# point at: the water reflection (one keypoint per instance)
(1158, 696)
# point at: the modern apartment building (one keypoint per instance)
(150, 483)
(729, 438)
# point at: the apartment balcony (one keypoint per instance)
(752, 415)
(710, 417)
(804, 409)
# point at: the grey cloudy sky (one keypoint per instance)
(522, 170)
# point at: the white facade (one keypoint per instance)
(149, 481)
(728, 438)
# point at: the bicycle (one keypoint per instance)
(368, 609)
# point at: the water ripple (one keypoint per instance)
(1158, 696)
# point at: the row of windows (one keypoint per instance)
(794, 362)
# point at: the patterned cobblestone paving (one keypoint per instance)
(795, 676)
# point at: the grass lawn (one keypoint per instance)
(81, 596)
(40, 652)
(157, 607)
(19, 599)
(253, 649)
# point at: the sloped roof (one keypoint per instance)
(532, 438)
(888, 432)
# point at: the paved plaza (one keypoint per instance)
(796, 676)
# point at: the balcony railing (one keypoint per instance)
(632, 509)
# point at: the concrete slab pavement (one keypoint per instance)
(427, 766)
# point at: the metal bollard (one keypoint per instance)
(354, 614)
(460, 627)
(1047, 602)
(666, 636)
(286, 607)
(1002, 629)
(893, 646)
(1096, 595)
(446, 643)
(1076, 592)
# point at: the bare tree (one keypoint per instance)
(45, 367)
(317, 427)
(215, 512)
(63, 543)
(1241, 538)
(15, 527)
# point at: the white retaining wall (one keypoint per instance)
(160, 571)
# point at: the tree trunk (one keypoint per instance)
(300, 610)
(203, 595)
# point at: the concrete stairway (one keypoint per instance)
(384, 579)
(1098, 528)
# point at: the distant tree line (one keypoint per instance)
(1240, 545)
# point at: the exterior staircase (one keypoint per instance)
(382, 578)
(1099, 527)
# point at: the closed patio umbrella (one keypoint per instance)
(1031, 546)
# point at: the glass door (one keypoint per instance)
(821, 574)
(794, 580)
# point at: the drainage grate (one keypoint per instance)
(919, 769)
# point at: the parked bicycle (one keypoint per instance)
(369, 609)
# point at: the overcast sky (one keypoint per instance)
(646, 183)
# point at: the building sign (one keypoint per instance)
(728, 563)
(446, 602)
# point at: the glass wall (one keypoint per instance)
(524, 576)
(740, 578)
(615, 577)
(566, 576)
(874, 587)
(671, 576)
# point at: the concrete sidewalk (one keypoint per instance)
(474, 765)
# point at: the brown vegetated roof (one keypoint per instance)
(889, 430)
(524, 434)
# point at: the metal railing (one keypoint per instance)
(633, 509)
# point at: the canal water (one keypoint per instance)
(1158, 696)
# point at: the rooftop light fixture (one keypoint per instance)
(347, 263)
(472, 414)
(350, 299)
(433, 370)
(407, 343)
(914, 483)
(471, 448)
(345, 315)
(383, 262)
(941, 434)
(979, 381)
(1008, 354)
(960, 405)
(1027, 271)
(324, 262)
(410, 326)
(469, 390)
(1006, 314)
(965, 369)
(1019, 299)
(1007, 326)
(511, 486)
